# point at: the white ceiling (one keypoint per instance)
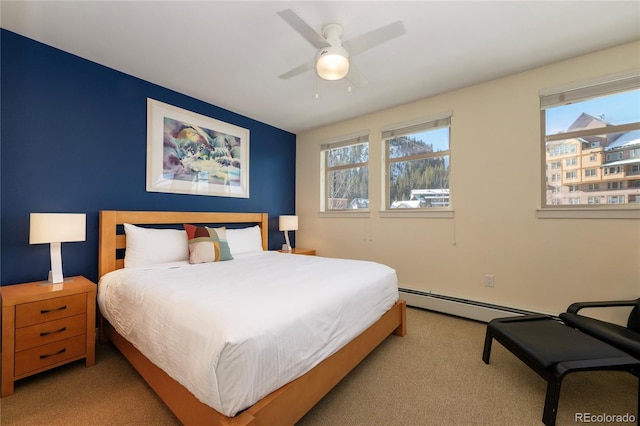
(230, 53)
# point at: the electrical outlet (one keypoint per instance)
(489, 280)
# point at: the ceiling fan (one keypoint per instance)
(333, 59)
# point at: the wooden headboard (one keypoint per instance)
(111, 241)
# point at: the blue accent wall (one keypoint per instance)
(73, 139)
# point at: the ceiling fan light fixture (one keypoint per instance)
(332, 65)
(332, 60)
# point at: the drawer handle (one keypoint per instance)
(61, 351)
(46, 311)
(46, 333)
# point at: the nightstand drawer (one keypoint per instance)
(50, 309)
(50, 331)
(52, 353)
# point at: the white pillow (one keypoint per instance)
(244, 240)
(146, 246)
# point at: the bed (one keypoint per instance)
(290, 400)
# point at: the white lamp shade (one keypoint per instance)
(57, 227)
(288, 223)
(332, 66)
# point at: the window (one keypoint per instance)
(593, 200)
(346, 174)
(599, 122)
(615, 199)
(417, 165)
(614, 156)
(563, 149)
(612, 170)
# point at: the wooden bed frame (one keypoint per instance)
(283, 406)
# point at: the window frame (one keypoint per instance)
(387, 133)
(341, 142)
(578, 92)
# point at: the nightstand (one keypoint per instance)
(300, 251)
(46, 325)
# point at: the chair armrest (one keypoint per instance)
(575, 307)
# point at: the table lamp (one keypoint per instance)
(57, 228)
(288, 223)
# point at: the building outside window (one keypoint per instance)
(594, 130)
(417, 165)
(345, 166)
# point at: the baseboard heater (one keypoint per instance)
(464, 308)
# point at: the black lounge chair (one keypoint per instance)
(555, 348)
(624, 338)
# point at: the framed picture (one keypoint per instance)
(189, 153)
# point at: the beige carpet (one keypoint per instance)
(432, 376)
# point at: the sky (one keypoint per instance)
(622, 108)
(439, 138)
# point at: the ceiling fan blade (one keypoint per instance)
(373, 38)
(304, 29)
(299, 70)
(356, 77)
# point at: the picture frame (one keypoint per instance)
(189, 153)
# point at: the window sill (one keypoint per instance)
(354, 213)
(589, 213)
(417, 213)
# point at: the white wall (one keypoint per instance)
(539, 264)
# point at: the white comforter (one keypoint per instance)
(232, 332)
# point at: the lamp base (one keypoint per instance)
(287, 245)
(51, 283)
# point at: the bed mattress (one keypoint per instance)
(232, 332)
